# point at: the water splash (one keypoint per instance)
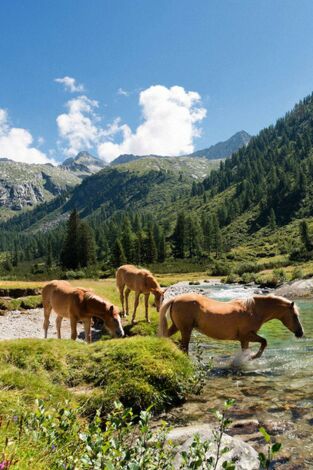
(241, 359)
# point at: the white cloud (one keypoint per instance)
(78, 127)
(122, 92)
(16, 143)
(171, 118)
(70, 84)
(170, 124)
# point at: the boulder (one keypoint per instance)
(245, 456)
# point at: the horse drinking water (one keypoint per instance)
(234, 320)
(141, 281)
(78, 304)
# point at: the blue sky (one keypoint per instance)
(248, 62)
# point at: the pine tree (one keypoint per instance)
(305, 236)
(178, 237)
(49, 256)
(87, 245)
(118, 256)
(70, 251)
(272, 220)
(161, 248)
(151, 253)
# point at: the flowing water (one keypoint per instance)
(274, 391)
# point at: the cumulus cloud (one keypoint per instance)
(78, 127)
(70, 84)
(16, 143)
(170, 124)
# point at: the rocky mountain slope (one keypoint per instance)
(83, 164)
(25, 185)
(224, 149)
(219, 151)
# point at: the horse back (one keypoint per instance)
(140, 280)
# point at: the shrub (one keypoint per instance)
(297, 273)
(232, 278)
(246, 278)
(221, 268)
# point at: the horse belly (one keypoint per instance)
(217, 329)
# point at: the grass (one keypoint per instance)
(137, 371)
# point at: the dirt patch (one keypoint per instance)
(16, 325)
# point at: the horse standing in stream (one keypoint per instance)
(78, 304)
(141, 281)
(234, 320)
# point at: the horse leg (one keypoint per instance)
(127, 292)
(252, 336)
(172, 330)
(58, 323)
(47, 312)
(87, 327)
(185, 339)
(73, 328)
(147, 306)
(121, 289)
(137, 295)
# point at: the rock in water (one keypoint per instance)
(243, 454)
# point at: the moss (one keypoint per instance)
(138, 371)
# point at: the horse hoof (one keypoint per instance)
(148, 321)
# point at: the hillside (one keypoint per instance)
(256, 198)
(24, 186)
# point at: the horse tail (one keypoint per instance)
(165, 310)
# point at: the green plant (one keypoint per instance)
(272, 449)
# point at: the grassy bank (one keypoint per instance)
(137, 371)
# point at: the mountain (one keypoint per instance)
(256, 198)
(225, 149)
(219, 151)
(83, 164)
(25, 185)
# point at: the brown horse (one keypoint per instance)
(235, 320)
(78, 304)
(141, 281)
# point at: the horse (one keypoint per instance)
(234, 320)
(78, 304)
(141, 281)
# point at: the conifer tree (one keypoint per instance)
(87, 246)
(70, 251)
(178, 237)
(118, 256)
(305, 236)
(49, 256)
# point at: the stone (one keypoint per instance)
(245, 456)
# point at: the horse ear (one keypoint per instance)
(292, 304)
(111, 309)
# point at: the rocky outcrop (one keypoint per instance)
(302, 288)
(243, 454)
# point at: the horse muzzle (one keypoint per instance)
(299, 333)
(120, 333)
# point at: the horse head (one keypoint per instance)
(112, 322)
(158, 298)
(291, 319)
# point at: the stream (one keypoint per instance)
(274, 391)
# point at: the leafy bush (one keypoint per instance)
(220, 268)
(246, 278)
(297, 273)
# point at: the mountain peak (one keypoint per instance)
(225, 148)
(83, 164)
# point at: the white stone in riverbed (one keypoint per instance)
(246, 457)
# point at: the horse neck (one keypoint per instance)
(267, 309)
(153, 284)
(96, 307)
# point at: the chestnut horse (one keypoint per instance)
(78, 304)
(141, 281)
(234, 320)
